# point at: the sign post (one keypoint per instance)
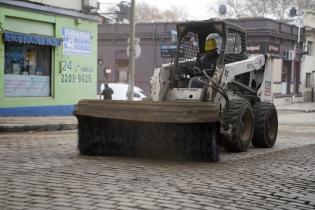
(131, 75)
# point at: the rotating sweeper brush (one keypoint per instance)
(151, 129)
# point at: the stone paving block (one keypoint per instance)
(190, 205)
(299, 205)
(210, 208)
(105, 205)
(230, 208)
(142, 198)
(154, 207)
(127, 203)
(63, 208)
(41, 206)
(170, 206)
(49, 171)
(126, 208)
(144, 202)
(15, 207)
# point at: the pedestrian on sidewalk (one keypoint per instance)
(107, 92)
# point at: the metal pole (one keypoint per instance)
(131, 74)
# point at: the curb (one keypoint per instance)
(46, 127)
(298, 110)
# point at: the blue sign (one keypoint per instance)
(168, 51)
(76, 41)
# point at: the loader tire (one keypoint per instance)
(265, 125)
(237, 126)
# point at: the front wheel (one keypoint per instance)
(237, 126)
(266, 125)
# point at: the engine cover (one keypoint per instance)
(185, 94)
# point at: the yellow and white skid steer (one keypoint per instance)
(194, 108)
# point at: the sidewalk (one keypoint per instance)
(303, 107)
(49, 123)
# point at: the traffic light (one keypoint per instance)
(124, 11)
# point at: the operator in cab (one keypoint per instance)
(205, 61)
(208, 59)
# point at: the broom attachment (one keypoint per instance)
(193, 141)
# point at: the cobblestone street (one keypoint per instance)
(43, 170)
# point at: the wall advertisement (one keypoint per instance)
(26, 85)
(263, 48)
(76, 41)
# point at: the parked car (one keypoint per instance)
(121, 90)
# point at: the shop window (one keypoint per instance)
(284, 76)
(308, 80)
(122, 70)
(123, 76)
(309, 48)
(27, 70)
(297, 77)
(285, 73)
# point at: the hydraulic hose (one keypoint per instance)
(217, 88)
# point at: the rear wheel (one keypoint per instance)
(237, 126)
(265, 126)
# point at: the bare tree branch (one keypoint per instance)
(235, 8)
(147, 13)
(278, 9)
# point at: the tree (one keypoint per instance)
(145, 13)
(235, 8)
(277, 9)
(174, 14)
(305, 4)
(257, 7)
(148, 13)
(280, 8)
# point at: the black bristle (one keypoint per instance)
(195, 141)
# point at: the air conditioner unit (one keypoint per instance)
(90, 4)
(289, 55)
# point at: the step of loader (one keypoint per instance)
(150, 129)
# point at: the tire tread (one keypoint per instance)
(232, 117)
(259, 138)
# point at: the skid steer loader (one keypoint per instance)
(192, 109)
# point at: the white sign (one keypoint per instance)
(76, 41)
(137, 48)
(26, 85)
(137, 51)
(284, 88)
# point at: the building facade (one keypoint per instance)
(48, 56)
(156, 41)
(112, 51)
(308, 64)
(281, 42)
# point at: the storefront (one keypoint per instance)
(308, 63)
(279, 41)
(48, 61)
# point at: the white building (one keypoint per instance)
(308, 62)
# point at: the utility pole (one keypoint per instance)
(131, 72)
